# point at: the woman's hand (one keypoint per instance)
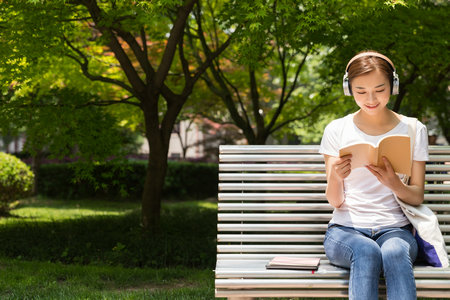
(341, 166)
(386, 175)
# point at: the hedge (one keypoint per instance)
(184, 180)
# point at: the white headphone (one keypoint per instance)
(394, 84)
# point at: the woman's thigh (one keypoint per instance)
(344, 245)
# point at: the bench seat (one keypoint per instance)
(272, 203)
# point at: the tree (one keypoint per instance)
(263, 77)
(131, 32)
(37, 115)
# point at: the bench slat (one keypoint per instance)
(270, 238)
(270, 158)
(432, 149)
(300, 187)
(280, 283)
(249, 227)
(271, 196)
(273, 186)
(274, 217)
(288, 238)
(272, 167)
(329, 293)
(275, 206)
(245, 166)
(289, 217)
(296, 158)
(272, 227)
(275, 248)
(300, 196)
(244, 268)
(271, 248)
(297, 207)
(248, 257)
(310, 283)
(271, 177)
(299, 177)
(268, 149)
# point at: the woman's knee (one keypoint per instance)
(369, 251)
(397, 249)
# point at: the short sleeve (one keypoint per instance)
(421, 144)
(330, 140)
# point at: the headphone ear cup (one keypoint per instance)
(395, 84)
(346, 85)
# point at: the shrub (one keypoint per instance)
(184, 180)
(16, 180)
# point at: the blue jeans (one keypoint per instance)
(367, 252)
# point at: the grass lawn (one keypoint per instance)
(44, 280)
(22, 277)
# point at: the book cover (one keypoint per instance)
(396, 148)
(296, 263)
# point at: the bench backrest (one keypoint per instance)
(272, 200)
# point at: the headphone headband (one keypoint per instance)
(370, 54)
(394, 84)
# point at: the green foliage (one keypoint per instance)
(184, 180)
(60, 122)
(16, 180)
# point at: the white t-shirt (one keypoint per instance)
(368, 203)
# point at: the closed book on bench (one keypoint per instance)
(297, 263)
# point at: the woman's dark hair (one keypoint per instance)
(367, 64)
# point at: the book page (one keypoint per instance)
(397, 149)
(362, 154)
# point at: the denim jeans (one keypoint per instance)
(367, 252)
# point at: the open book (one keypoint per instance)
(396, 148)
(298, 263)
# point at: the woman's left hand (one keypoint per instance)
(385, 175)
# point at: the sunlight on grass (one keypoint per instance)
(39, 209)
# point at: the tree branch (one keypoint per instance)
(85, 69)
(133, 77)
(282, 124)
(176, 33)
(286, 99)
(78, 106)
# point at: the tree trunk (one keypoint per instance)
(36, 161)
(151, 197)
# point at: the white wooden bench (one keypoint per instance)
(272, 202)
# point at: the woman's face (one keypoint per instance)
(371, 91)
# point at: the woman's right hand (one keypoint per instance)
(341, 166)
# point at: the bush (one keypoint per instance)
(16, 180)
(184, 180)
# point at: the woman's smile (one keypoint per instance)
(372, 106)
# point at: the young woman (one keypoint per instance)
(369, 233)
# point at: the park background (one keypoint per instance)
(118, 108)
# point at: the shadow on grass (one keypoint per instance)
(187, 238)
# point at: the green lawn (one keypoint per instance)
(36, 262)
(44, 280)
